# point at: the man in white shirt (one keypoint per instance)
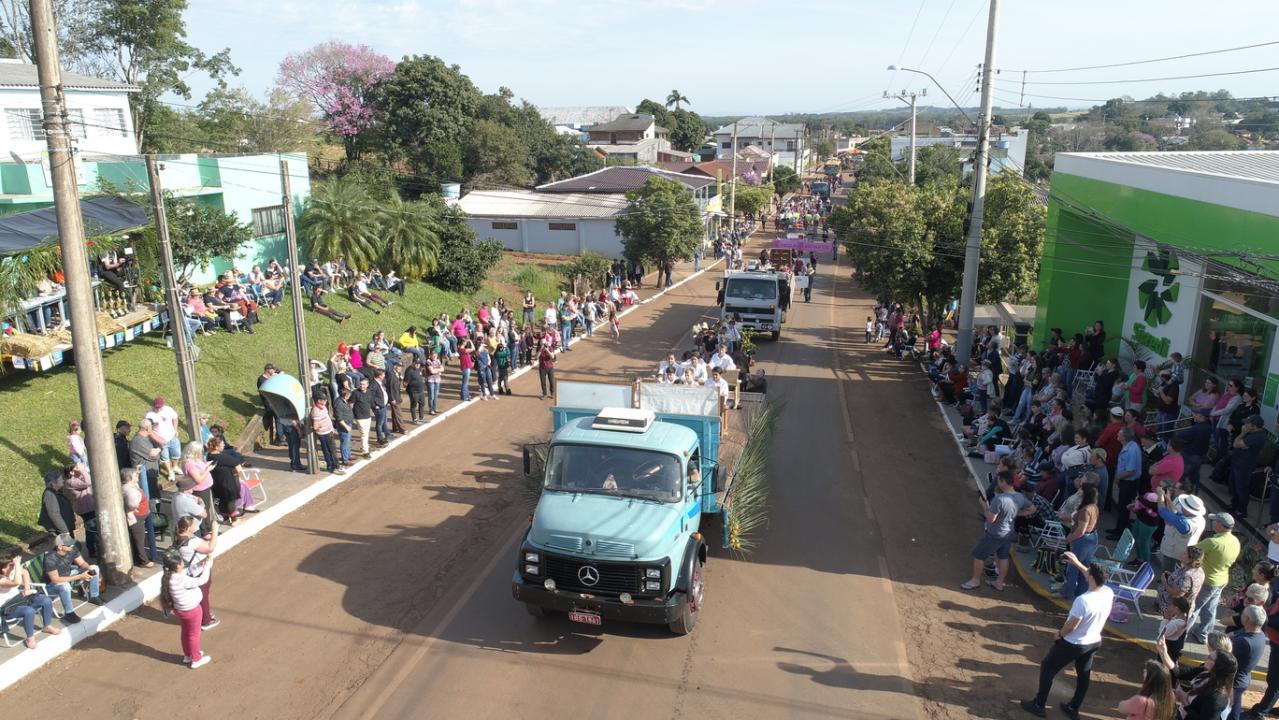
(731, 335)
(722, 360)
(1077, 641)
(164, 424)
(670, 362)
(717, 381)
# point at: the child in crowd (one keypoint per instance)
(870, 329)
(1173, 627)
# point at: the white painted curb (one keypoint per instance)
(147, 590)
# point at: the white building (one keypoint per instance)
(1007, 149)
(781, 140)
(98, 110)
(573, 215)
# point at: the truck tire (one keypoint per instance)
(536, 610)
(687, 619)
(777, 335)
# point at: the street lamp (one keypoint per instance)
(935, 82)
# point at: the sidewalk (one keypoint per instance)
(286, 491)
(1141, 631)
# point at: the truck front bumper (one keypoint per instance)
(661, 611)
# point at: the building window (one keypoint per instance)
(504, 225)
(790, 146)
(562, 226)
(268, 221)
(110, 122)
(25, 124)
(726, 145)
(75, 123)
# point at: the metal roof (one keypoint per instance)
(761, 127)
(582, 115)
(530, 204)
(635, 122)
(1262, 165)
(22, 75)
(620, 179)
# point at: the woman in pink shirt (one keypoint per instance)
(466, 361)
(354, 357)
(459, 328)
(196, 468)
(1155, 700)
(75, 444)
(1170, 467)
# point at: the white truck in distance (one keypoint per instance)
(758, 299)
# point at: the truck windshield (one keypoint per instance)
(613, 471)
(751, 289)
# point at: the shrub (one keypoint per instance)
(591, 267)
(464, 261)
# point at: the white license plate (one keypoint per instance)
(586, 618)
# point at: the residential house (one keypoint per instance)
(1007, 149)
(575, 215)
(101, 124)
(247, 186)
(632, 139)
(581, 117)
(783, 141)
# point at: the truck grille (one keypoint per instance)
(615, 578)
(608, 547)
(744, 311)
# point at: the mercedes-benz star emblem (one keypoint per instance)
(589, 575)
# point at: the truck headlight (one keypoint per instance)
(532, 557)
(652, 585)
(653, 573)
(530, 569)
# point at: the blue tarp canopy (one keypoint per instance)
(102, 216)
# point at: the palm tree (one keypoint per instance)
(675, 98)
(341, 219)
(410, 233)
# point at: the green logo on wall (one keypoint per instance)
(1157, 293)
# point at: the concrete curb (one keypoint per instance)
(148, 589)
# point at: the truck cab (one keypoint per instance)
(760, 298)
(617, 530)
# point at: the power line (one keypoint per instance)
(964, 35)
(940, 25)
(906, 45)
(1152, 60)
(1158, 79)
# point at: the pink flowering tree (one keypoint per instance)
(335, 78)
(750, 177)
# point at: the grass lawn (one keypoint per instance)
(35, 408)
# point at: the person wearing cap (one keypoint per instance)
(185, 501)
(1220, 552)
(1241, 461)
(1097, 466)
(164, 423)
(63, 567)
(269, 425)
(122, 458)
(1109, 438)
(1183, 516)
(1195, 441)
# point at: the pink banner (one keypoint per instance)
(801, 245)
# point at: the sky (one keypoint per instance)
(734, 57)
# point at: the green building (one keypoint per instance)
(1175, 252)
(246, 185)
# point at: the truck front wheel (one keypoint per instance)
(777, 334)
(536, 610)
(687, 619)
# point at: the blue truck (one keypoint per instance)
(629, 474)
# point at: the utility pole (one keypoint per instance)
(732, 197)
(295, 288)
(799, 136)
(113, 533)
(910, 98)
(173, 301)
(972, 253)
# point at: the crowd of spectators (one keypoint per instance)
(1083, 444)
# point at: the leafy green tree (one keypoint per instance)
(659, 112)
(877, 164)
(496, 155)
(233, 117)
(751, 198)
(464, 261)
(824, 148)
(143, 43)
(423, 114)
(661, 222)
(688, 130)
(938, 163)
(202, 233)
(884, 230)
(1214, 139)
(675, 98)
(410, 235)
(785, 180)
(340, 218)
(588, 269)
(1012, 241)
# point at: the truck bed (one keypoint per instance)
(736, 424)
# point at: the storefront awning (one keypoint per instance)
(102, 216)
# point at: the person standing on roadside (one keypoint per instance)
(343, 424)
(1077, 641)
(164, 423)
(434, 373)
(291, 429)
(184, 592)
(362, 409)
(196, 552)
(269, 424)
(1220, 552)
(415, 385)
(1000, 513)
(546, 369)
(322, 426)
(378, 398)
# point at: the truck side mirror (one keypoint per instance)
(535, 460)
(719, 297)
